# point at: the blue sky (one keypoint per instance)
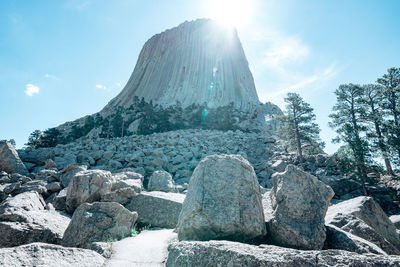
(60, 60)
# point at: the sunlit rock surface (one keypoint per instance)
(197, 62)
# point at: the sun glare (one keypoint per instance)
(231, 13)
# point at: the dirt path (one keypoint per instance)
(149, 248)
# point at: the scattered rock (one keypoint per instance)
(223, 201)
(41, 254)
(98, 222)
(24, 219)
(9, 159)
(157, 209)
(50, 164)
(87, 186)
(395, 219)
(299, 202)
(161, 181)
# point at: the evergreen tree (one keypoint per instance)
(50, 137)
(299, 128)
(375, 116)
(391, 104)
(34, 139)
(347, 121)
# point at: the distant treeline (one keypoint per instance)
(147, 118)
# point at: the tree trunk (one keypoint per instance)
(299, 150)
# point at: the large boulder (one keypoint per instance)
(41, 255)
(9, 159)
(363, 217)
(157, 209)
(87, 186)
(223, 201)
(161, 181)
(227, 253)
(339, 239)
(395, 219)
(98, 222)
(25, 219)
(298, 202)
(69, 172)
(127, 179)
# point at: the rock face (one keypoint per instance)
(157, 209)
(9, 159)
(41, 255)
(196, 62)
(24, 219)
(161, 181)
(98, 222)
(363, 217)
(299, 202)
(226, 253)
(87, 186)
(223, 201)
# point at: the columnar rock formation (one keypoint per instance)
(197, 62)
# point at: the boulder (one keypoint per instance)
(223, 201)
(127, 179)
(157, 209)
(299, 202)
(41, 254)
(339, 239)
(363, 217)
(161, 181)
(121, 196)
(87, 186)
(24, 219)
(9, 159)
(98, 222)
(58, 200)
(69, 172)
(395, 219)
(227, 253)
(340, 185)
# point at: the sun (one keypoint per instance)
(231, 13)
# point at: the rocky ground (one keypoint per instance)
(71, 204)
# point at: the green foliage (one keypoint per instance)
(34, 139)
(347, 120)
(299, 129)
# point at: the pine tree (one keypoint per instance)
(375, 116)
(391, 104)
(34, 139)
(347, 121)
(299, 128)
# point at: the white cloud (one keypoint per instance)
(100, 86)
(31, 89)
(118, 84)
(50, 76)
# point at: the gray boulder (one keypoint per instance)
(98, 222)
(69, 172)
(157, 209)
(339, 239)
(227, 253)
(127, 179)
(299, 202)
(223, 201)
(58, 200)
(87, 186)
(24, 219)
(395, 219)
(363, 217)
(161, 181)
(9, 159)
(43, 255)
(121, 196)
